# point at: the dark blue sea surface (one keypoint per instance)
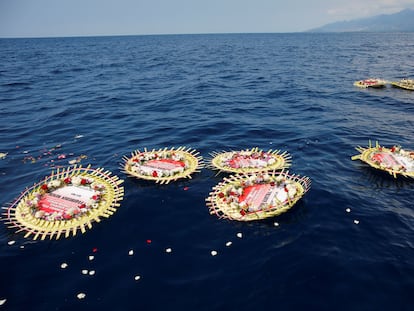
(97, 99)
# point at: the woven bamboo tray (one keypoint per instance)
(248, 197)
(249, 161)
(394, 160)
(163, 165)
(68, 200)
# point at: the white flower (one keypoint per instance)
(39, 214)
(76, 180)
(54, 183)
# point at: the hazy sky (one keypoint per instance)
(45, 18)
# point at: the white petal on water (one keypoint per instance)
(276, 224)
(131, 252)
(239, 235)
(137, 277)
(213, 253)
(84, 271)
(356, 221)
(2, 301)
(81, 295)
(229, 243)
(348, 210)
(64, 265)
(168, 250)
(11, 242)
(92, 272)
(91, 258)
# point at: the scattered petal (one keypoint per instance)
(356, 221)
(72, 162)
(92, 272)
(78, 136)
(168, 250)
(186, 188)
(276, 224)
(131, 252)
(81, 295)
(11, 242)
(91, 258)
(229, 243)
(348, 210)
(21, 246)
(3, 155)
(239, 235)
(64, 265)
(149, 241)
(2, 301)
(94, 250)
(213, 253)
(137, 277)
(84, 271)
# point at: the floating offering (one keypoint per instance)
(67, 200)
(407, 84)
(373, 82)
(163, 165)
(250, 161)
(246, 197)
(394, 160)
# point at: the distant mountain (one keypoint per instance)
(402, 21)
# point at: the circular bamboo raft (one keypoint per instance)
(163, 165)
(249, 161)
(248, 197)
(68, 200)
(394, 160)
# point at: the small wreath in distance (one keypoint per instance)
(250, 161)
(163, 165)
(247, 197)
(65, 201)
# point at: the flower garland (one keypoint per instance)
(247, 159)
(285, 191)
(70, 213)
(405, 159)
(175, 163)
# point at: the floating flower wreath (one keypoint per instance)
(246, 197)
(250, 161)
(64, 202)
(394, 160)
(163, 165)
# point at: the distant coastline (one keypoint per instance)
(402, 21)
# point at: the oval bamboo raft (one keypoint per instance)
(163, 165)
(394, 160)
(406, 84)
(68, 200)
(249, 161)
(248, 197)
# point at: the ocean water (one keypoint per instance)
(97, 99)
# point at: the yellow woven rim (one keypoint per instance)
(190, 157)
(222, 204)
(274, 160)
(21, 215)
(406, 85)
(367, 153)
